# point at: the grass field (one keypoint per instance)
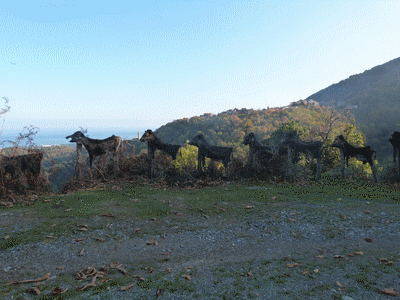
(115, 214)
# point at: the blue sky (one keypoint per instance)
(139, 64)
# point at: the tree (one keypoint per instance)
(329, 118)
(291, 126)
(187, 159)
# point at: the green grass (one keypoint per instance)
(142, 203)
(216, 206)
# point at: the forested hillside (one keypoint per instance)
(225, 129)
(229, 128)
(374, 98)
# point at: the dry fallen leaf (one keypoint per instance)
(100, 239)
(341, 288)
(319, 256)
(158, 293)
(249, 206)
(34, 290)
(359, 253)
(79, 240)
(139, 278)
(100, 274)
(6, 237)
(53, 225)
(305, 272)
(136, 230)
(125, 288)
(80, 275)
(152, 242)
(292, 220)
(186, 276)
(292, 265)
(150, 270)
(113, 265)
(82, 251)
(316, 270)
(108, 215)
(390, 292)
(91, 271)
(69, 209)
(381, 259)
(91, 284)
(50, 236)
(58, 291)
(343, 217)
(104, 269)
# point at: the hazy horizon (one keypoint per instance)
(57, 136)
(101, 64)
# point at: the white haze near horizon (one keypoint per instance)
(57, 136)
(129, 64)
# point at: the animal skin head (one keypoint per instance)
(338, 141)
(147, 135)
(196, 140)
(74, 136)
(248, 138)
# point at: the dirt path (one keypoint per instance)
(302, 252)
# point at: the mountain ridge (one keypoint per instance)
(373, 97)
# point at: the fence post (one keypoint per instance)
(374, 172)
(318, 168)
(342, 162)
(398, 162)
(150, 154)
(289, 152)
(78, 164)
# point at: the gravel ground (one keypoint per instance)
(242, 259)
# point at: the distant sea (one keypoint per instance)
(47, 137)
